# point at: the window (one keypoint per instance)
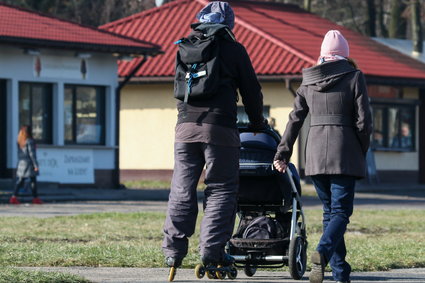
(243, 117)
(394, 127)
(35, 109)
(84, 115)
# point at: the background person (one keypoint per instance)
(334, 92)
(206, 135)
(27, 164)
(404, 140)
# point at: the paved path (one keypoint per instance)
(69, 206)
(135, 275)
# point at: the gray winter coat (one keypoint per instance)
(335, 95)
(27, 160)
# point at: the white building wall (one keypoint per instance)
(16, 66)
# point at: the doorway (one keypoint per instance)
(3, 128)
(421, 146)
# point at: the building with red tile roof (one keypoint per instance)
(22, 27)
(61, 78)
(281, 40)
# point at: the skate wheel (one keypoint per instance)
(199, 271)
(220, 274)
(211, 275)
(172, 274)
(233, 273)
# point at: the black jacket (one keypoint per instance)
(236, 73)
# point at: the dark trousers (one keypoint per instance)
(222, 180)
(337, 195)
(20, 182)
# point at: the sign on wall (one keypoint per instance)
(60, 67)
(70, 166)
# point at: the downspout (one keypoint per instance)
(116, 178)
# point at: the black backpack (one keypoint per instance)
(197, 65)
(263, 227)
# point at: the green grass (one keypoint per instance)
(148, 184)
(376, 240)
(15, 275)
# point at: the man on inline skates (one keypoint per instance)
(210, 67)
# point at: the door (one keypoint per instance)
(3, 128)
(421, 145)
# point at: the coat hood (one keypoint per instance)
(212, 29)
(326, 75)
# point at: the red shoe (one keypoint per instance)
(14, 200)
(37, 201)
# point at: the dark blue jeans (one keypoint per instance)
(337, 194)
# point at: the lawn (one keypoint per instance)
(8, 275)
(376, 240)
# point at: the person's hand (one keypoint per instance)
(36, 169)
(280, 165)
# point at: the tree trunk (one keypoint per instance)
(371, 18)
(416, 27)
(397, 27)
(307, 5)
(381, 13)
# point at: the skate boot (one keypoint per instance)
(217, 269)
(173, 263)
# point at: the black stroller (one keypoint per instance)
(271, 231)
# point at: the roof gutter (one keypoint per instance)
(412, 82)
(170, 79)
(116, 177)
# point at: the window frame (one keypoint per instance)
(400, 104)
(48, 93)
(100, 92)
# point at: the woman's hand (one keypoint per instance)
(36, 169)
(280, 165)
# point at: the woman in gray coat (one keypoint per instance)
(27, 164)
(334, 93)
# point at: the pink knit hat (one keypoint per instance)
(334, 44)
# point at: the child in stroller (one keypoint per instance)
(271, 230)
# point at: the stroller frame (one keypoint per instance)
(295, 241)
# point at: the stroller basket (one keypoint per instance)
(270, 246)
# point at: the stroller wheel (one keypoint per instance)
(249, 270)
(297, 257)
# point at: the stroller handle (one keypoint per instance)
(268, 130)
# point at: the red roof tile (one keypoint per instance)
(28, 28)
(280, 39)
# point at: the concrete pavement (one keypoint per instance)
(136, 275)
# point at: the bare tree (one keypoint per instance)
(417, 36)
(370, 25)
(381, 14)
(397, 27)
(307, 5)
